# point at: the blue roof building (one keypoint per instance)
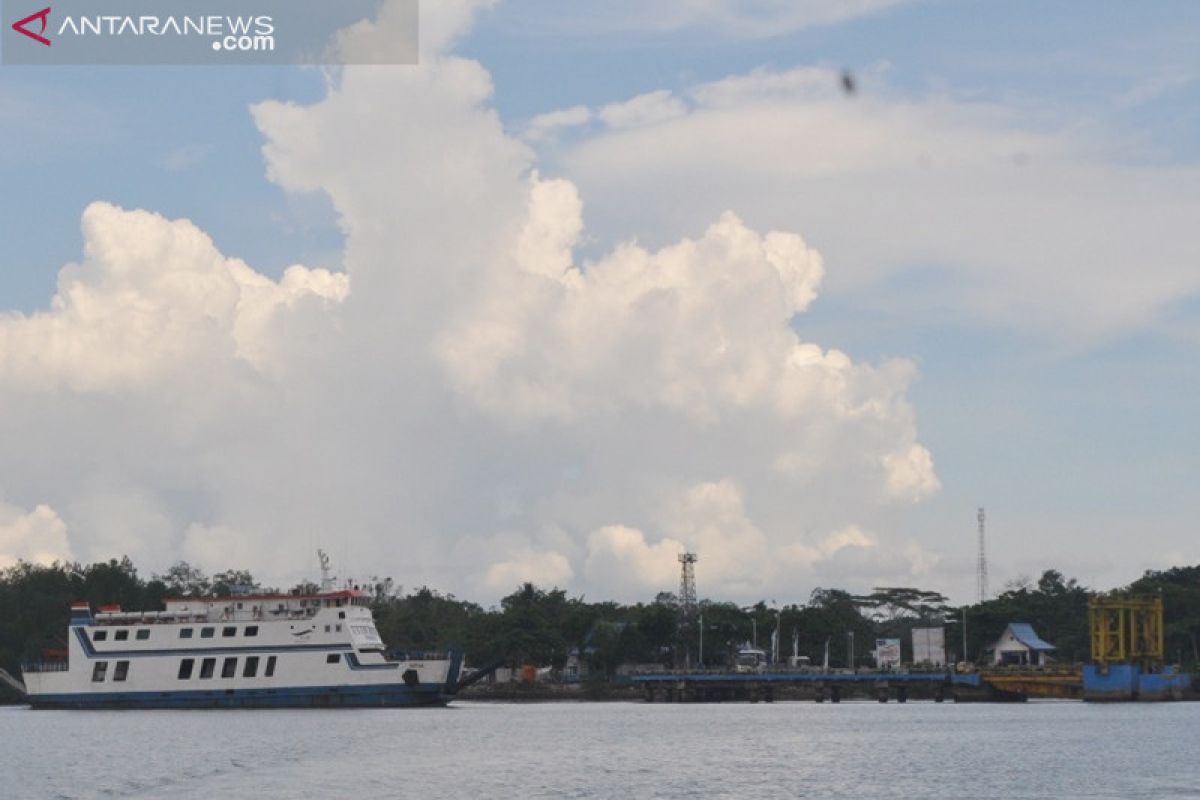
(1020, 644)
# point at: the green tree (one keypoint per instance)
(184, 580)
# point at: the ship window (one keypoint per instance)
(230, 631)
(185, 668)
(185, 633)
(251, 667)
(206, 668)
(333, 658)
(99, 636)
(144, 633)
(270, 670)
(99, 671)
(338, 628)
(229, 668)
(251, 630)
(206, 633)
(341, 615)
(121, 671)
(121, 635)
(327, 629)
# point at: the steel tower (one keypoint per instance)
(981, 569)
(687, 585)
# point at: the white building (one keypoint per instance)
(1020, 645)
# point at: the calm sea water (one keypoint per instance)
(610, 750)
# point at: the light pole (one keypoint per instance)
(701, 658)
(775, 638)
(753, 624)
(964, 624)
(850, 659)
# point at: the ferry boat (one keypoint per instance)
(252, 651)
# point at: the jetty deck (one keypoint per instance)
(832, 685)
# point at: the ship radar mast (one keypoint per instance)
(326, 578)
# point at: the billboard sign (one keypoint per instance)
(929, 646)
(887, 653)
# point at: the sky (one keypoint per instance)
(594, 284)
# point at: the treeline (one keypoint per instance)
(543, 627)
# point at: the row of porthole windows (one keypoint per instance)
(122, 634)
(226, 632)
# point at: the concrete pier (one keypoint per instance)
(1117, 682)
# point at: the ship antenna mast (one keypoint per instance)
(326, 578)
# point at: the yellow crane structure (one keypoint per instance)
(1126, 630)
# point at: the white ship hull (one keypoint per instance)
(257, 652)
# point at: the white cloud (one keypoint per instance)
(1034, 225)
(621, 558)
(548, 125)
(469, 405)
(910, 474)
(709, 519)
(645, 109)
(150, 295)
(761, 18)
(498, 563)
(854, 556)
(742, 19)
(809, 555)
(38, 536)
(713, 519)
(542, 569)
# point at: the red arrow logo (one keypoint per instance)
(43, 15)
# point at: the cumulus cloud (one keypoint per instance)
(910, 474)
(709, 519)
(469, 404)
(150, 294)
(543, 569)
(38, 536)
(621, 557)
(808, 555)
(740, 19)
(1032, 223)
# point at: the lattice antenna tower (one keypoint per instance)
(981, 569)
(687, 584)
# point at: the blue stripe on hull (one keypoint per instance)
(387, 696)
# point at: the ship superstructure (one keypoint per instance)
(253, 650)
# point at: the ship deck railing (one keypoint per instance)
(45, 666)
(416, 655)
(119, 618)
